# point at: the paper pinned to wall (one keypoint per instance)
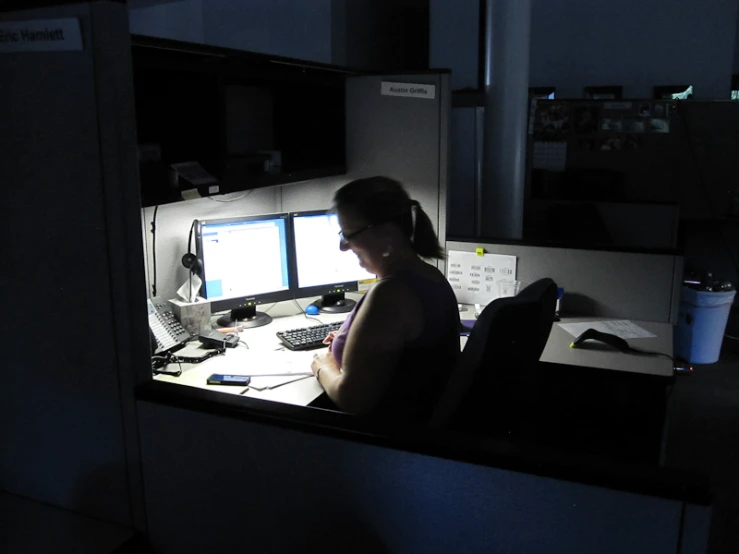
(623, 328)
(550, 155)
(475, 278)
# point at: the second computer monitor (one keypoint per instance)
(321, 267)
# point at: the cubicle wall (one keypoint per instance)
(397, 136)
(599, 283)
(223, 485)
(73, 265)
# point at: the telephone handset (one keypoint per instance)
(165, 330)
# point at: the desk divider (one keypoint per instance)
(599, 283)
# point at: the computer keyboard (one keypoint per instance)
(307, 337)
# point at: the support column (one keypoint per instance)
(501, 196)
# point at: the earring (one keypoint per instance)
(388, 251)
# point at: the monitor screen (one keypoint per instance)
(322, 268)
(244, 262)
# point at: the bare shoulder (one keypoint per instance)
(391, 296)
(388, 290)
(392, 304)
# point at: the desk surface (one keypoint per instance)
(598, 355)
(264, 355)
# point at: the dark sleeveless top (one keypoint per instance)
(426, 362)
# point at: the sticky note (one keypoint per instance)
(190, 194)
(365, 285)
(480, 251)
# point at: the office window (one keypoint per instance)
(673, 92)
(542, 93)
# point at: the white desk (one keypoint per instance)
(264, 355)
(601, 356)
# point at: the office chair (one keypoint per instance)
(493, 390)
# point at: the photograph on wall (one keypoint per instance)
(612, 124)
(659, 125)
(645, 109)
(585, 120)
(634, 125)
(632, 142)
(610, 144)
(550, 155)
(586, 144)
(552, 122)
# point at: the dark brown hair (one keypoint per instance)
(384, 200)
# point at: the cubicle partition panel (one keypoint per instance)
(397, 125)
(599, 283)
(399, 136)
(216, 484)
(73, 299)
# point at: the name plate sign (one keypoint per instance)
(411, 90)
(40, 35)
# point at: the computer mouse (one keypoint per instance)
(612, 340)
(310, 309)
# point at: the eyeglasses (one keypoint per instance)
(344, 237)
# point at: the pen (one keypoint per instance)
(293, 374)
(280, 384)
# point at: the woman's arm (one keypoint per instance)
(391, 316)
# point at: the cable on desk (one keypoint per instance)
(651, 353)
(154, 250)
(305, 314)
(161, 360)
(176, 373)
(679, 367)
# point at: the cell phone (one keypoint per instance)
(234, 380)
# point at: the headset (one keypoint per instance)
(190, 260)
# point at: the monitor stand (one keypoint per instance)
(334, 303)
(246, 317)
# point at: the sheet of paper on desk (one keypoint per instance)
(474, 278)
(620, 327)
(241, 361)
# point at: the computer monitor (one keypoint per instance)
(321, 267)
(244, 262)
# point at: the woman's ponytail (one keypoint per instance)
(425, 243)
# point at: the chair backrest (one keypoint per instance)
(491, 386)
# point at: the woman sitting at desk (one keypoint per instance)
(396, 350)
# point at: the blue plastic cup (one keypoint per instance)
(701, 324)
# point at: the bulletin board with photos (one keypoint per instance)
(651, 151)
(598, 137)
